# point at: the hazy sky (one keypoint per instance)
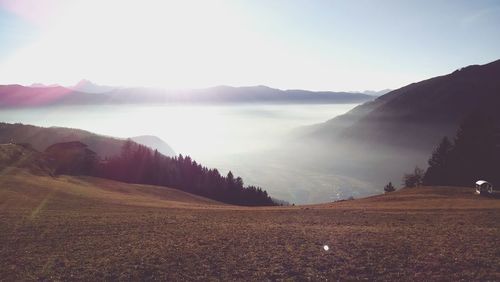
(318, 45)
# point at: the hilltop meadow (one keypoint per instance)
(85, 228)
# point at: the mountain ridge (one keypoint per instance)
(381, 140)
(23, 96)
(155, 143)
(440, 102)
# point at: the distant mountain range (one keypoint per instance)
(376, 93)
(88, 86)
(87, 93)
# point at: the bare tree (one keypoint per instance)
(414, 179)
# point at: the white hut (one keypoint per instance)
(483, 187)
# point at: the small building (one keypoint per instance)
(483, 187)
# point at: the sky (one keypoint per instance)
(293, 44)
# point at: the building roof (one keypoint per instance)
(481, 182)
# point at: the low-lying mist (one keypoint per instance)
(311, 171)
(252, 140)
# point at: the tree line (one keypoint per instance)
(139, 164)
(473, 154)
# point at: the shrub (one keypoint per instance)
(414, 179)
(389, 188)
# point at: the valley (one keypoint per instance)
(224, 140)
(248, 140)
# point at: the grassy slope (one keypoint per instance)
(23, 190)
(15, 156)
(89, 228)
(423, 198)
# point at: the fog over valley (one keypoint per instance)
(301, 146)
(248, 139)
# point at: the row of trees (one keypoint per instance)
(139, 164)
(473, 154)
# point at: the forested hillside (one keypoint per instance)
(139, 164)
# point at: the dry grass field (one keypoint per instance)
(80, 228)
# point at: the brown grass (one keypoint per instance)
(72, 228)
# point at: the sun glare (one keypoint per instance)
(173, 44)
(154, 43)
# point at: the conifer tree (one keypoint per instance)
(472, 157)
(389, 188)
(437, 173)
